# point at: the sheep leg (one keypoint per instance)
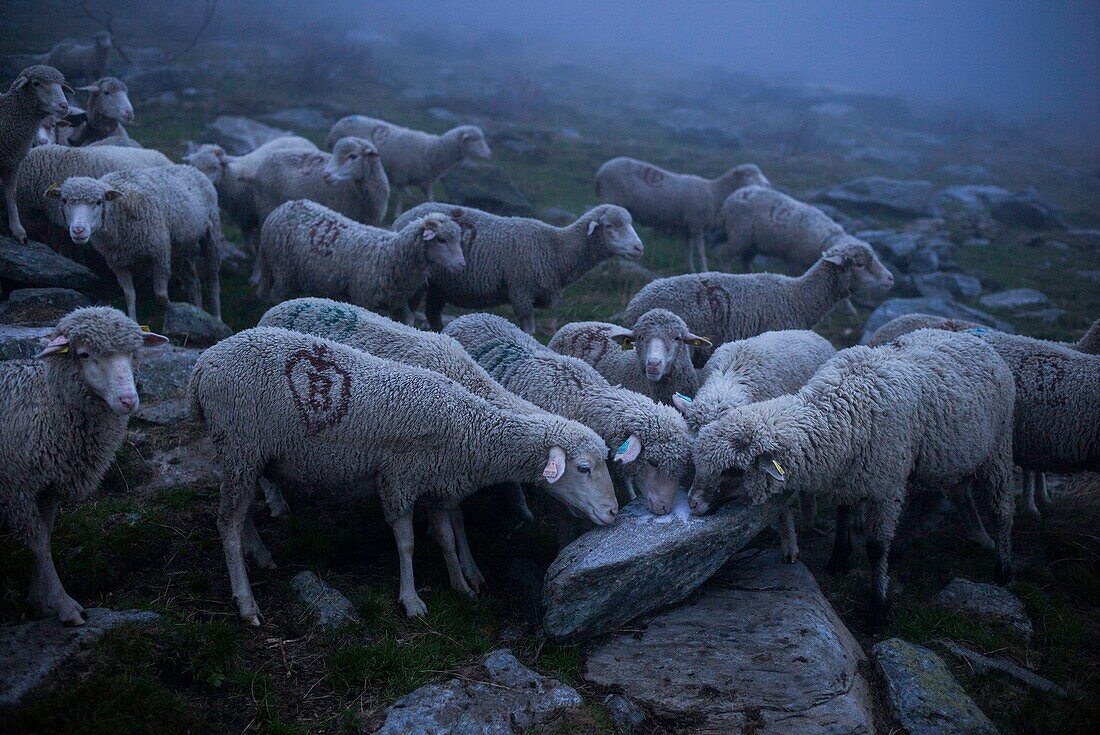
(882, 524)
(273, 496)
(788, 537)
(1030, 509)
(126, 281)
(513, 494)
(445, 537)
(254, 545)
(963, 499)
(807, 503)
(465, 557)
(238, 489)
(399, 207)
(191, 276)
(994, 481)
(211, 271)
(161, 274)
(433, 311)
(47, 595)
(631, 491)
(403, 314)
(691, 253)
(1042, 497)
(842, 543)
(403, 533)
(525, 312)
(14, 224)
(428, 195)
(700, 246)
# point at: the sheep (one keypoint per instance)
(308, 411)
(36, 94)
(521, 261)
(308, 249)
(640, 429)
(350, 180)
(724, 307)
(390, 340)
(761, 220)
(52, 164)
(82, 60)
(411, 157)
(653, 358)
(671, 201)
(1090, 340)
(154, 218)
(63, 416)
(932, 409)
(227, 173)
(108, 107)
(49, 131)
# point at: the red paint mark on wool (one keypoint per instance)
(653, 177)
(321, 388)
(323, 234)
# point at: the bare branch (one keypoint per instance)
(208, 15)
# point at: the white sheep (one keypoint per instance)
(63, 416)
(521, 261)
(931, 410)
(724, 307)
(307, 249)
(681, 203)
(108, 108)
(324, 415)
(653, 358)
(82, 60)
(152, 220)
(411, 157)
(49, 131)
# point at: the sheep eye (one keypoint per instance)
(99, 203)
(652, 463)
(83, 355)
(353, 156)
(584, 469)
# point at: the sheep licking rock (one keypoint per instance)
(653, 446)
(322, 414)
(670, 201)
(38, 93)
(154, 220)
(63, 416)
(308, 249)
(933, 409)
(108, 108)
(653, 358)
(82, 60)
(411, 157)
(521, 261)
(724, 307)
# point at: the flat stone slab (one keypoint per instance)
(986, 601)
(163, 371)
(878, 195)
(21, 343)
(164, 413)
(326, 604)
(1015, 299)
(30, 652)
(641, 563)
(188, 325)
(503, 698)
(761, 650)
(922, 693)
(35, 264)
(893, 308)
(40, 307)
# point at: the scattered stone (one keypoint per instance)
(984, 664)
(923, 695)
(1016, 299)
(239, 135)
(986, 601)
(933, 254)
(31, 652)
(21, 343)
(40, 307)
(934, 305)
(641, 563)
(189, 325)
(152, 81)
(697, 127)
(947, 285)
(504, 698)
(164, 413)
(329, 607)
(626, 715)
(1093, 275)
(1083, 239)
(914, 251)
(163, 371)
(1024, 209)
(485, 186)
(762, 263)
(880, 195)
(761, 650)
(897, 158)
(972, 197)
(1050, 315)
(301, 117)
(35, 264)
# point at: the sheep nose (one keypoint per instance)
(78, 229)
(129, 401)
(64, 106)
(653, 363)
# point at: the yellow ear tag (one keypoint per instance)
(62, 351)
(779, 467)
(144, 327)
(627, 345)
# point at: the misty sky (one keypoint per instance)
(1023, 60)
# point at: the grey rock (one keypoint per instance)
(327, 604)
(301, 117)
(923, 695)
(900, 159)
(152, 81)
(966, 172)
(506, 698)
(880, 195)
(768, 264)
(163, 371)
(988, 602)
(1049, 315)
(933, 254)
(485, 186)
(190, 325)
(897, 247)
(976, 242)
(444, 115)
(31, 652)
(893, 308)
(626, 715)
(697, 127)
(612, 575)
(914, 251)
(239, 135)
(34, 264)
(1092, 275)
(194, 465)
(21, 343)
(760, 650)
(40, 307)
(164, 413)
(1083, 239)
(947, 285)
(1015, 299)
(972, 197)
(1024, 209)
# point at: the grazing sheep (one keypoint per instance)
(521, 261)
(52, 164)
(640, 429)
(411, 157)
(152, 220)
(108, 107)
(82, 60)
(307, 249)
(229, 173)
(63, 416)
(724, 307)
(932, 410)
(324, 415)
(36, 94)
(671, 201)
(761, 220)
(653, 358)
(349, 180)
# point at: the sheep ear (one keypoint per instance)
(112, 194)
(770, 466)
(91, 88)
(834, 259)
(429, 233)
(696, 341)
(592, 226)
(629, 450)
(67, 89)
(150, 338)
(555, 465)
(682, 403)
(19, 83)
(53, 192)
(624, 337)
(56, 346)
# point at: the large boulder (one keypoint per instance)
(187, 324)
(21, 343)
(612, 575)
(1015, 300)
(40, 307)
(880, 195)
(1025, 209)
(947, 285)
(240, 135)
(485, 186)
(698, 127)
(937, 306)
(35, 264)
(163, 371)
(760, 650)
(301, 117)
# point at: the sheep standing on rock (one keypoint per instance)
(309, 250)
(653, 358)
(108, 108)
(318, 413)
(521, 261)
(724, 307)
(36, 94)
(670, 201)
(411, 157)
(83, 61)
(932, 409)
(153, 220)
(63, 416)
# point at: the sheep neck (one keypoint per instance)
(445, 152)
(21, 120)
(815, 292)
(817, 434)
(79, 424)
(724, 185)
(573, 253)
(511, 431)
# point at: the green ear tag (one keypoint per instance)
(779, 467)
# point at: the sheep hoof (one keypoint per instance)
(414, 606)
(982, 540)
(790, 558)
(70, 612)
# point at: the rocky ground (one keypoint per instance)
(976, 220)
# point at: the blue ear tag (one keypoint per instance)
(684, 398)
(977, 330)
(622, 448)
